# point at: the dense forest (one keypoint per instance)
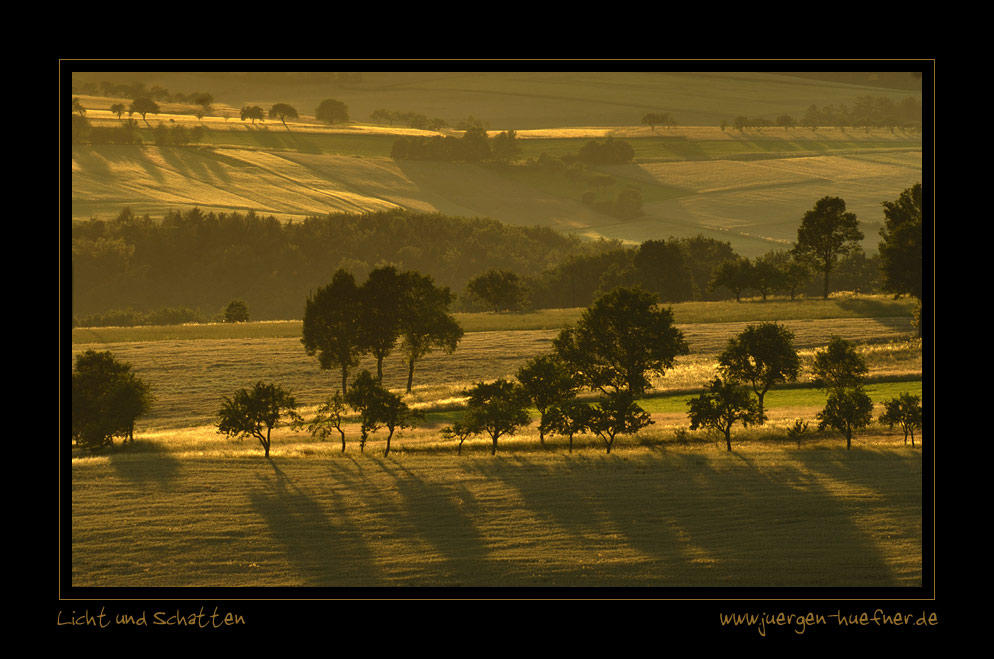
(204, 260)
(190, 266)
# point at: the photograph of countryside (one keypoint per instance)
(474, 330)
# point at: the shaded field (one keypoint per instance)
(674, 518)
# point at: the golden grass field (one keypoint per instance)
(188, 507)
(687, 517)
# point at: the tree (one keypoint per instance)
(847, 410)
(904, 411)
(236, 312)
(653, 119)
(255, 412)
(332, 112)
(364, 396)
(620, 341)
(786, 121)
(119, 109)
(332, 328)
(144, 106)
(501, 290)
(724, 404)
(827, 233)
(497, 408)
(761, 356)
(735, 275)
(662, 269)
(839, 366)
(547, 382)
(568, 418)
(616, 414)
(900, 247)
(330, 415)
(505, 147)
(253, 113)
(77, 107)
(425, 321)
(459, 431)
(380, 311)
(395, 414)
(107, 398)
(282, 111)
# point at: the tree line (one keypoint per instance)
(866, 112)
(620, 344)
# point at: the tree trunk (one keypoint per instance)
(728, 439)
(827, 270)
(379, 368)
(410, 374)
(342, 433)
(493, 451)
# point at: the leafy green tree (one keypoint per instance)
(839, 366)
(332, 327)
(365, 396)
(569, 417)
(254, 113)
(724, 404)
(458, 431)
(378, 408)
(381, 300)
(847, 410)
(904, 411)
(827, 233)
(766, 276)
(282, 111)
(505, 147)
(785, 274)
(661, 268)
(425, 322)
(547, 381)
(500, 290)
(496, 408)
(616, 413)
(621, 341)
(901, 251)
(331, 111)
(761, 356)
(653, 119)
(144, 106)
(119, 109)
(236, 312)
(395, 413)
(736, 275)
(331, 415)
(107, 398)
(255, 412)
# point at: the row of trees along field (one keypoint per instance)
(204, 260)
(621, 341)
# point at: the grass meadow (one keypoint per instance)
(185, 506)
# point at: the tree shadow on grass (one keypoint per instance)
(316, 531)
(679, 521)
(147, 467)
(443, 516)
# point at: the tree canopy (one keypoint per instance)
(425, 321)
(255, 412)
(496, 408)
(282, 111)
(839, 366)
(827, 233)
(254, 113)
(724, 404)
(107, 398)
(761, 356)
(621, 341)
(332, 112)
(901, 251)
(500, 290)
(332, 327)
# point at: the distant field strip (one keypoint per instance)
(749, 518)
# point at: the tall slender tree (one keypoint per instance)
(425, 322)
(332, 327)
